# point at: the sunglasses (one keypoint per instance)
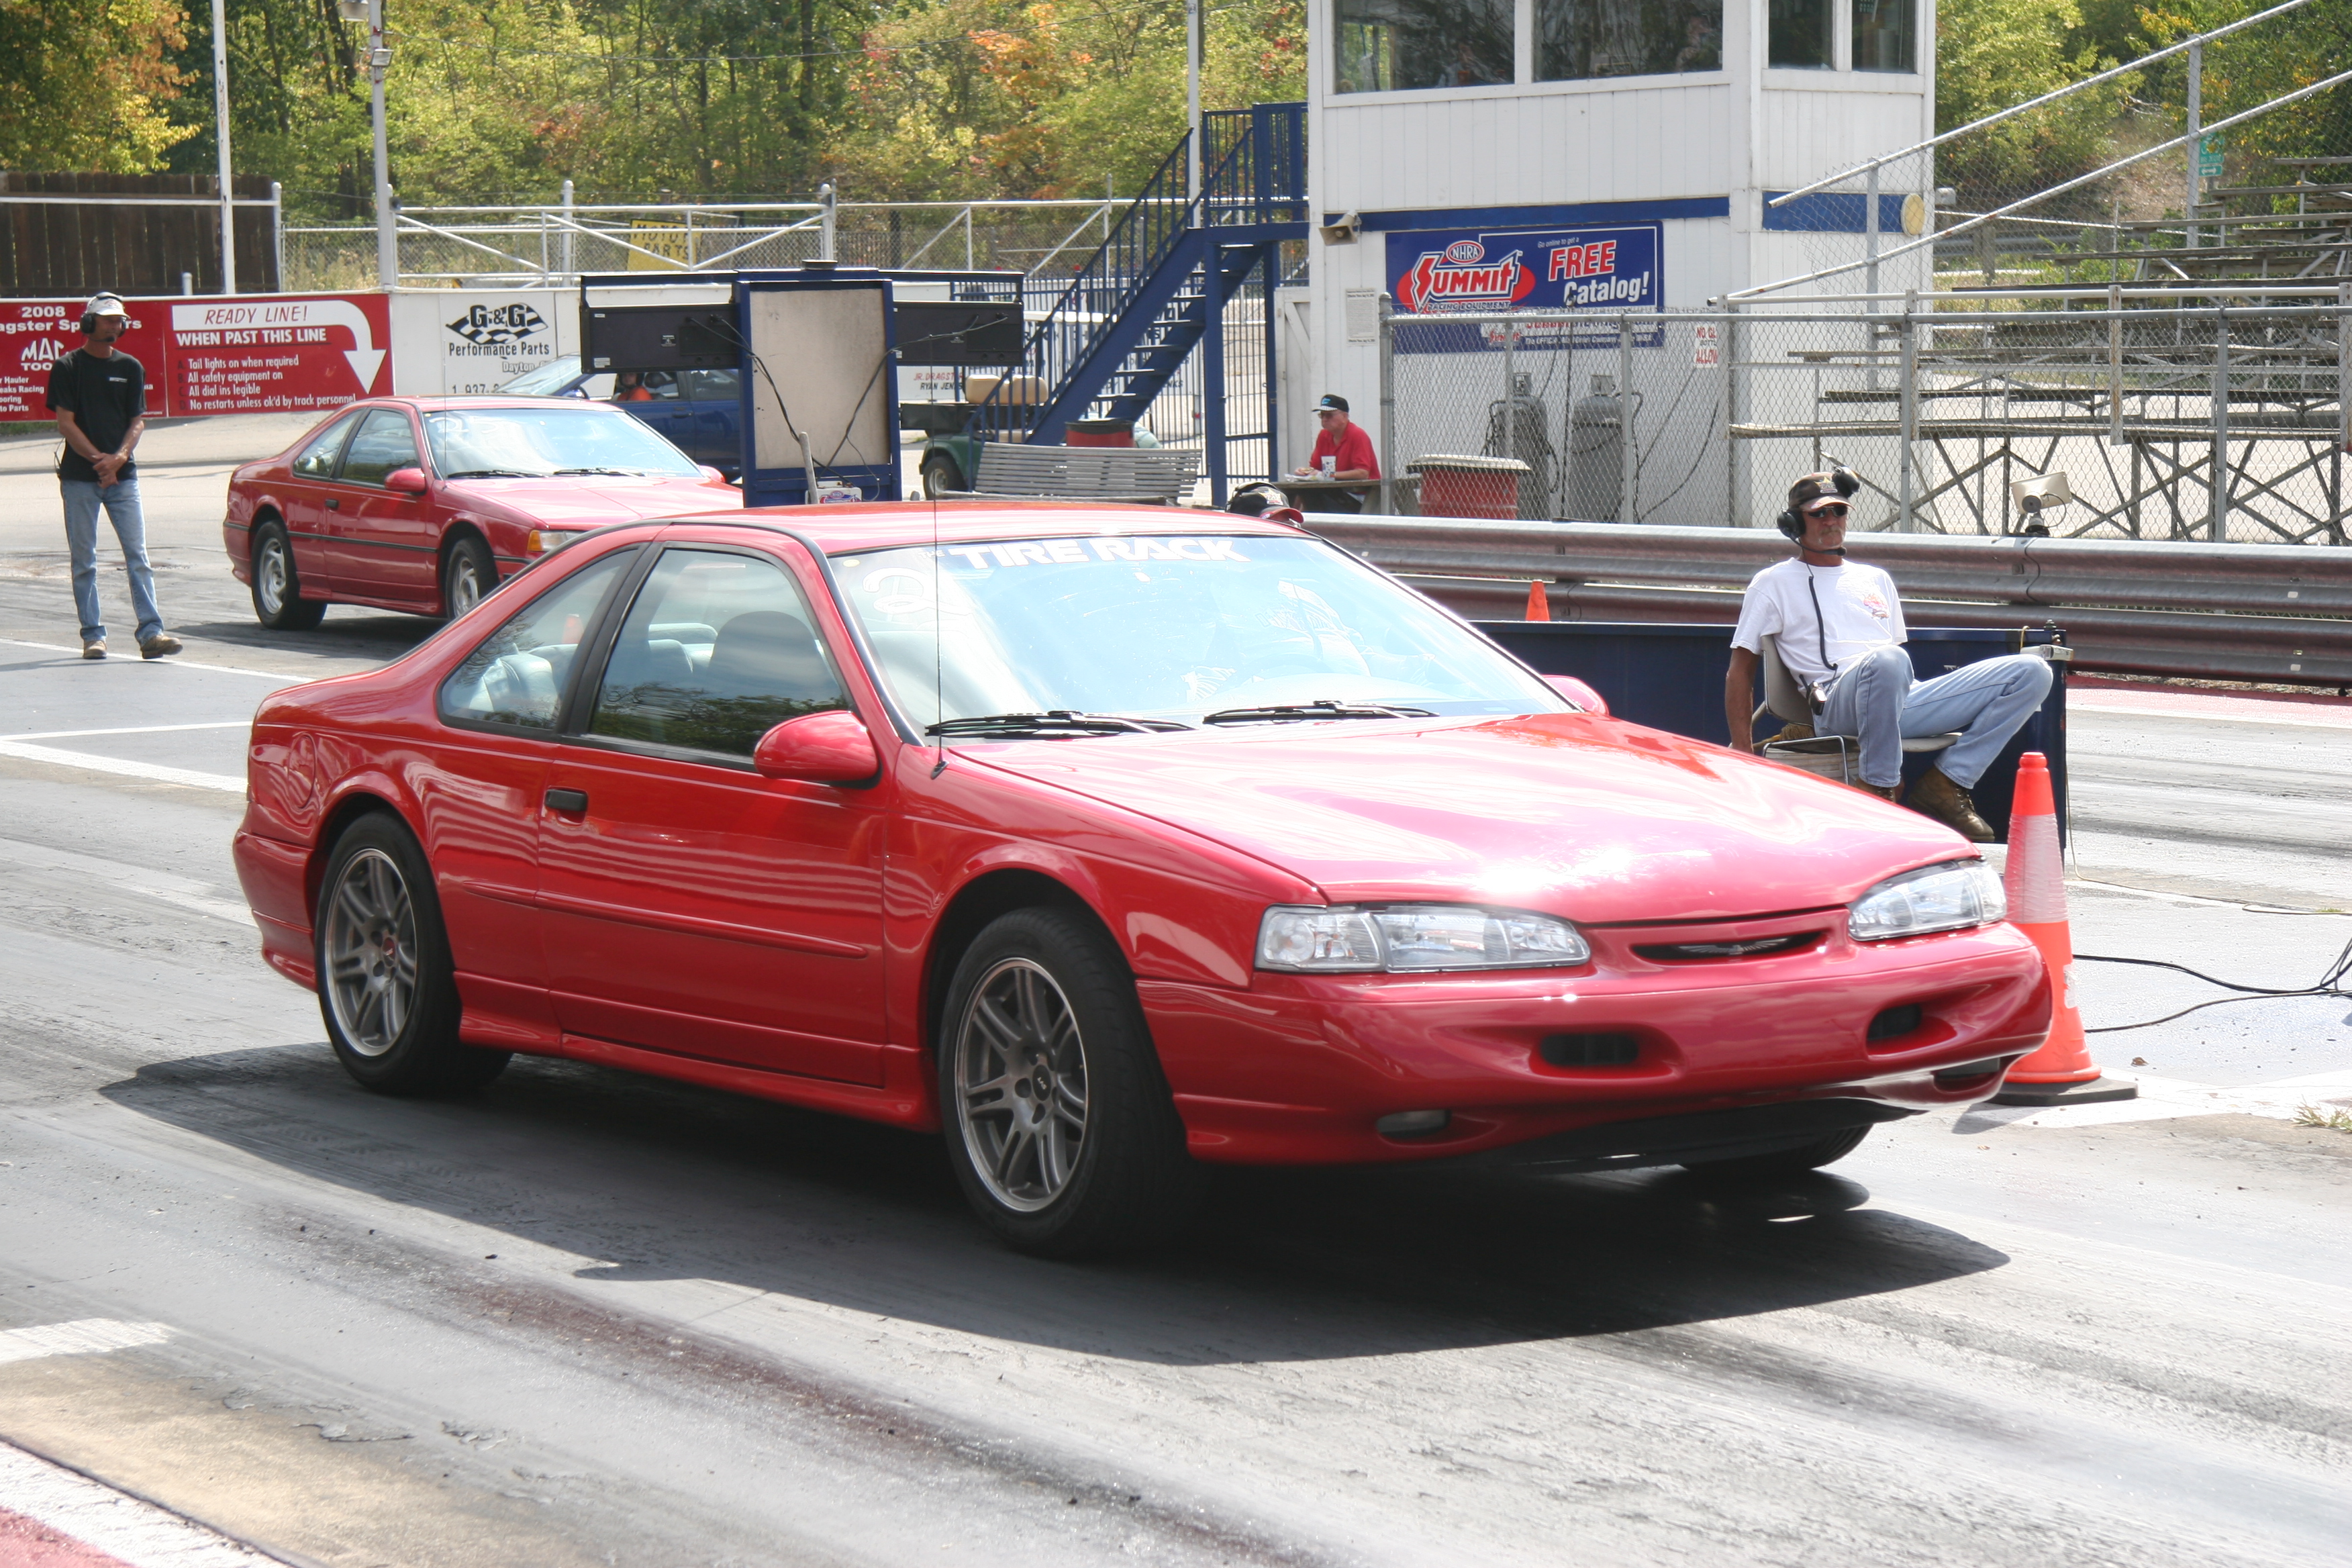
(1835, 508)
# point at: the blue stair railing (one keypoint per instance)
(1118, 331)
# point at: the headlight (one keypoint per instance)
(1950, 897)
(1412, 938)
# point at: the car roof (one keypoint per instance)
(884, 525)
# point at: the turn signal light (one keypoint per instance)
(544, 540)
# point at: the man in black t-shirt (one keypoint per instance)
(100, 396)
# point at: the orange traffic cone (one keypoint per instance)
(1539, 603)
(2060, 1072)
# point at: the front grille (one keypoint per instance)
(1589, 1050)
(1754, 947)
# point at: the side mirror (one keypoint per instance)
(407, 481)
(711, 474)
(1577, 692)
(830, 748)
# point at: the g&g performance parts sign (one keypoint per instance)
(1602, 270)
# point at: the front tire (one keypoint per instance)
(1059, 1123)
(1786, 1163)
(467, 576)
(941, 475)
(387, 988)
(278, 602)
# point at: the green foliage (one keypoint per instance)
(85, 85)
(497, 100)
(1990, 54)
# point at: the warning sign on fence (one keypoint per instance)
(264, 355)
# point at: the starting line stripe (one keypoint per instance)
(126, 730)
(125, 1529)
(86, 1336)
(154, 773)
(175, 661)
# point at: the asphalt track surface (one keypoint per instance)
(590, 1318)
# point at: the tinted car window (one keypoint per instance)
(384, 443)
(317, 460)
(711, 386)
(516, 675)
(718, 650)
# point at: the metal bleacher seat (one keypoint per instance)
(1011, 471)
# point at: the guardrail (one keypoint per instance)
(2226, 612)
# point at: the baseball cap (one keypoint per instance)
(1332, 400)
(106, 305)
(1811, 489)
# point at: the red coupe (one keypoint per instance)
(1114, 843)
(424, 503)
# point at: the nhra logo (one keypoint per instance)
(41, 353)
(491, 326)
(1461, 277)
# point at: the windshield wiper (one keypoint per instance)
(1059, 721)
(626, 473)
(493, 474)
(1294, 712)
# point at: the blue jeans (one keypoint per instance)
(1875, 698)
(83, 498)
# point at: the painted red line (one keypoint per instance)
(28, 1543)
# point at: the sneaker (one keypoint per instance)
(162, 645)
(1937, 797)
(93, 647)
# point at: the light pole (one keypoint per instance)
(220, 121)
(379, 58)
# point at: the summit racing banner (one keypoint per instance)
(1602, 269)
(253, 354)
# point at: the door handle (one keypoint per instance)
(334, 505)
(569, 802)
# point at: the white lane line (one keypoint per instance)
(84, 1336)
(154, 771)
(138, 1534)
(126, 730)
(176, 662)
(163, 887)
(2085, 703)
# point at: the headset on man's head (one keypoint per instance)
(1848, 484)
(91, 315)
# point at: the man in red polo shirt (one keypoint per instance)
(1343, 451)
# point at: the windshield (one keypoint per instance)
(556, 439)
(1177, 627)
(545, 381)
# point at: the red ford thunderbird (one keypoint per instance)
(424, 503)
(1113, 843)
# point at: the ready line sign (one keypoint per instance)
(260, 354)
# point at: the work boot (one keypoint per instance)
(1884, 791)
(162, 645)
(93, 647)
(1937, 797)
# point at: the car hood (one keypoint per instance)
(592, 502)
(1590, 817)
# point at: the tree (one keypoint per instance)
(86, 87)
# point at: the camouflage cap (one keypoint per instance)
(1814, 488)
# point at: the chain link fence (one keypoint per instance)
(2166, 420)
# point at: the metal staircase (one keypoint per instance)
(1143, 301)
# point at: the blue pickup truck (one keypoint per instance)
(700, 411)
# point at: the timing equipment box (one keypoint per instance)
(675, 326)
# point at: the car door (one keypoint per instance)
(690, 905)
(304, 497)
(482, 785)
(664, 407)
(385, 543)
(715, 398)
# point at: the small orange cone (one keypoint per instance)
(2060, 1072)
(1539, 603)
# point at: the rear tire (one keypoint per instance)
(278, 602)
(468, 576)
(940, 475)
(387, 988)
(1059, 1123)
(1786, 1163)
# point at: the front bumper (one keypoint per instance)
(1297, 1070)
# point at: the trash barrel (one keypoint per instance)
(1456, 485)
(1101, 433)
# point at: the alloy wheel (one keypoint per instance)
(371, 952)
(464, 586)
(269, 577)
(1021, 1085)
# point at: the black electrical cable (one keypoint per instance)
(2328, 984)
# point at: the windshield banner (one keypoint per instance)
(1602, 270)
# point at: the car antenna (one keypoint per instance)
(939, 635)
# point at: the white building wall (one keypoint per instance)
(1646, 149)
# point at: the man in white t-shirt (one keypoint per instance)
(1840, 625)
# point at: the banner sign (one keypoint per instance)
(266, 353)
(1603, 270)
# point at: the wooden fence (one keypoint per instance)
(69, 234)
